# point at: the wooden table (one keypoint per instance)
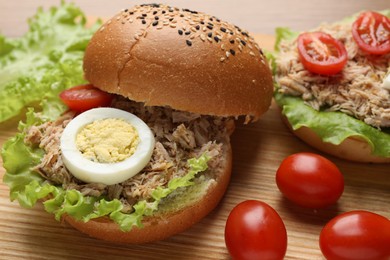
(258, 150)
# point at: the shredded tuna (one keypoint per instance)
(179, 137)
(356, 91)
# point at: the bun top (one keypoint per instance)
(187, 60)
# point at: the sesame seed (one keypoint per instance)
(231, 41)
(210, 34)
(126, 10)
(131, 20)
(102, 29)
(156, 18)
(227, 54)
(222, 59)
(201, 22)
(189, 43)
(210, 27)
(216, 38)
(155, 12)
(243, 42)
(202, 37)
(223, 29)
(180, 32)
(252, 53)
(240, 47)
(136, 37)
(245, 34)
(232, 52)
(197, 27)
(223, 46)
(144, 15)
(192, 36)
(231, 33)
(159, 27)
(209, 39)
(163, 12)
(171, 19)
(172, 25)
(193, 29)
(131, 13)
(143, 22)
(187, 33)
(182, 15)
(155, 23)
(250, 46)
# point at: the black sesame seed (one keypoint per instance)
(218, 20)
(210, 27)
(163, 12)
(216, 38)
(143, 22)
(180, 32)
(244, 33)
(155, 23)
(189, 43)
(243, 42)
(232, 52)
(126, 10)
(210, 34)
(155, 12)
(223, 29)
(141, 17)
(197, 27)
(182, 15)
(187, 33)
(261, 52)
(156, 18)
(144, 15)
(201, 22)
(210, 24)
(131, 13)
(231, 41)
(171, 19)
(211, 19)
(231, 33)
(170, 10)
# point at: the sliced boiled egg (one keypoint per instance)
(106, 145)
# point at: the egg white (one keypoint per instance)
(106, 173)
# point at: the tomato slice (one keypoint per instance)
(371, 32)
(85, 97)
(321, 53)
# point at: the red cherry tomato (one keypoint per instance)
(310, 180)
(356, 235)
(371, 32)
(321, 53)
(254, 230)
(84, 97)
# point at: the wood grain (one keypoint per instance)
(258, 150)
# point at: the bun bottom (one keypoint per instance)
(168, 223)
(353, 148)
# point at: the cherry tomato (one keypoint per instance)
(84, 97)
(310, 180)
(321, 53)
(254, 230)
(371, 32)
(356, 235)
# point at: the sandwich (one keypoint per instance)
(332, 85)
(180, 79)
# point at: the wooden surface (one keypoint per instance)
(258, 150)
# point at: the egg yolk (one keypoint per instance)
(108, 140)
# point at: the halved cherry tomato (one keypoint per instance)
(321, 53)
(254, 230)
(371, 32)
(310, 180)
(356, 235)
(85, 97)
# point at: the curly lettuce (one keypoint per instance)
(46, 60)
(332, 127)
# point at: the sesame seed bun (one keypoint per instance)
(173, 216)
(189, 61)
(353, 148)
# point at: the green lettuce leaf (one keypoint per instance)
(29, 187)
(332, 127)
(46, 60)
